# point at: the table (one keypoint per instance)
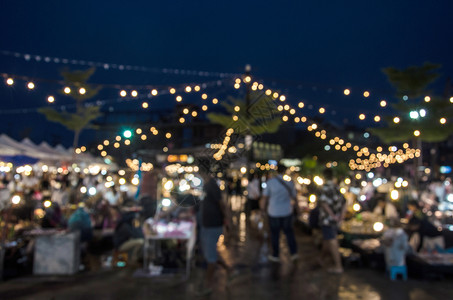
(175, 230)
(57, 254)
(427, 265)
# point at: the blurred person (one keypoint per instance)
(386, 209)
(128, 236)
(80, 221)
(53, 217)
(332, 211)
(423, 234)
(253, 194)
(277, 201)
(395, 241)
(212, 217)
(112, 196)
(60, 193)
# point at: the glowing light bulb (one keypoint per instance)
(145, 105)
(383, 103)
(123, 93)
(134, 93)
(51, 99)
(67, 90)
(347, 92)
(154, 92)
(362, 116)
(30, 85)
(443, 120)
(82, 91)
(366, 94)
(396, 120)
(9, 81)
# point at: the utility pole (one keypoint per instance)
(248, 137)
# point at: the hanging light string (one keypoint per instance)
(125, 95)
(375, 160)
(113, 66)
(372, 162)
(119, 141)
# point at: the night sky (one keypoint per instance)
(309, 51)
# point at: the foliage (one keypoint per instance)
(261, 117)
(413, 82)
(73, 121)
(83, 115)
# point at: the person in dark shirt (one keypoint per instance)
(128, 237)
(212, 220)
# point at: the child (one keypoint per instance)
(395, 242)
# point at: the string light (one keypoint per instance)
(51, 99)
(67, 90)
(443, 120)
(396, 120)
(427, 98)
(347, 92)
(134, 93)
(82, 91)
(123, 93)
(383, 103)
(362, 117)
(154, 92)
(30, 85)
(145, 105)
(9, 81)
(366, 94)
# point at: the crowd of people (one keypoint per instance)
(84, 202)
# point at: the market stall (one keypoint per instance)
(157, 232)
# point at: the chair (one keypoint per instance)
(395, 270)
(119, 259)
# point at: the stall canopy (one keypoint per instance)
(28, 152)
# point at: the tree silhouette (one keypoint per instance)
(84, 114)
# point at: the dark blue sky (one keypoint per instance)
(311, 50)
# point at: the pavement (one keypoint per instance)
(245, 249)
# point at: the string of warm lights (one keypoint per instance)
(374, 160)
(113, 66)
(338, 144)
(223, 148)
(125, 95)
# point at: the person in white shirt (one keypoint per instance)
(253, 194)
(386, 209)
(277, 198)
